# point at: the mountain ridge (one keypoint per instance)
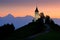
(20, 21)
(17, 21)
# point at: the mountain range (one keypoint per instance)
(20, 21)
(17, 21)
(56, 20)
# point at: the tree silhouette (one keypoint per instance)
(51, 23)
(42, 15)
(47, 19)
(6, 30)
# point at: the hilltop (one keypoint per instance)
(34, 28)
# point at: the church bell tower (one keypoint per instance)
(36, 14)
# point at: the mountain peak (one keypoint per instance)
(9, 16)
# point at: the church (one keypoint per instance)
(38, 15)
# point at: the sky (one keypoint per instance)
(20, 8)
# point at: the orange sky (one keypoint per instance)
(53, 10)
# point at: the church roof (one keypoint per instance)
(36, 10)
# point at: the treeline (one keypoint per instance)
(47, 20)
(6, 30)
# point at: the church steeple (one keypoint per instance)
(36, 14)
(36, 10)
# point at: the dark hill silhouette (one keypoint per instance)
(39, 26)
(6, 30)
(35, 27)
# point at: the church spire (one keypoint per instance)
(36, 14)
(36, 10)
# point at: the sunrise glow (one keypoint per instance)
(18, 9)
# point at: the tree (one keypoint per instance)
(47, 19)
(42, 15)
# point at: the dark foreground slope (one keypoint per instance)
(28, 30)
(53, 35)
(42, 25)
